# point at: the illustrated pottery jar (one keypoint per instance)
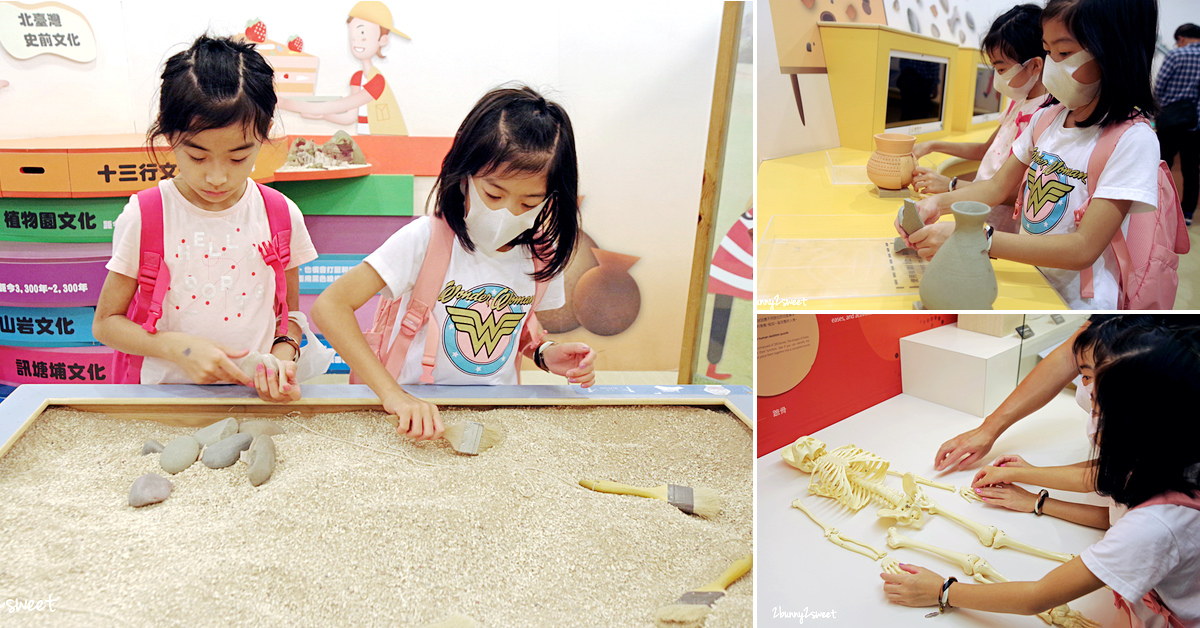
(960, 275)
(891, 165)
(564, 319)
(607, 298)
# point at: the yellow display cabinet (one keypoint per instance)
(859, 58)
(979, 105)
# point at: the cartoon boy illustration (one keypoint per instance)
(370, 103)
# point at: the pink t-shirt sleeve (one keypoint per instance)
(302, 247)
(127, 236)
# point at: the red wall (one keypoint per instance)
(857, 365)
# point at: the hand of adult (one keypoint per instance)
(963, 451)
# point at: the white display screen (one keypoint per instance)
(916, 94)
(987, 98)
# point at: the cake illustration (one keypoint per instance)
(295, 70)
(339, 152)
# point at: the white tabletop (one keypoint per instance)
(798, 569)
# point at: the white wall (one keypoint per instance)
(780, 132)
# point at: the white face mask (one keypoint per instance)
(1083, 397)
(1062, 85)
(1003, 82)
(490, 228)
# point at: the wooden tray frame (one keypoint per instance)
(195, 406)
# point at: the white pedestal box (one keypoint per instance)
(964, 370)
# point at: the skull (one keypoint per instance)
(804, 453)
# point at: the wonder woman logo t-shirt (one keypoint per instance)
(479, 313)
(1056, 184)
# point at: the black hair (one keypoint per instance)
(1016, 34)
(1147, 390)
(515, 130)
(1189, 30)
(1121, 35)
(215, 83)
(1104, 329)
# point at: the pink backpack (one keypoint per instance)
(154, 278)
(1126, 617)
(1149, 258)
(424, 296)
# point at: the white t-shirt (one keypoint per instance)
(221, 288)
(1015, 119)
(1059, 169)
(489, 295)
(1153, 547)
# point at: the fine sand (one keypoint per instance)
(401, 534)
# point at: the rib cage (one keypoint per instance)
(853, 477)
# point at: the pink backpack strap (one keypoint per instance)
(1173, 498)
(1039, 127)
(1100, 154)
(153, 279)
(420, 304)
(277, 252)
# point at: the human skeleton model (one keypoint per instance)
(983, 572)
(854, 478)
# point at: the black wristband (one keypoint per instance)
(289, 340)
(538, 359)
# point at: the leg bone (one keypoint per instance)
(837, 538)
(1004, 540)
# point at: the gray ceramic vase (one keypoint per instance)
(960, 275)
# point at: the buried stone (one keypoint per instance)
(151, 446)
(149, 489)
(226, 452)
(261, 457)
(217, 431)
(179, 454)
(261, 428)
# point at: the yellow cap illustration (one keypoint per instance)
(376, 12)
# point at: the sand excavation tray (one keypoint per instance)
(838, 268)
(358, 526)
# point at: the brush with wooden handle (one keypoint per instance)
(702, 502)
(692, 607)
(472, 437)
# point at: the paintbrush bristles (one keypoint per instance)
(706, 502)
(677, 615)
(490, 436)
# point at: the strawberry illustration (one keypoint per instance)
(295, 43)
(256, 31)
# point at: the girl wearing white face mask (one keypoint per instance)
(508, 191)
(1098, 67)
(1098, 344)
(1014, 45)
(1146, 460)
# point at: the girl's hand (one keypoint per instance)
(414, 418)
(1011, 460)
(573, 360)
(919, 587)
(206, 362)
(991, 476)
(929, 210)
(924, 148)
(930, 182)
(1009, 496)
(929, 239)
(275, 380)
